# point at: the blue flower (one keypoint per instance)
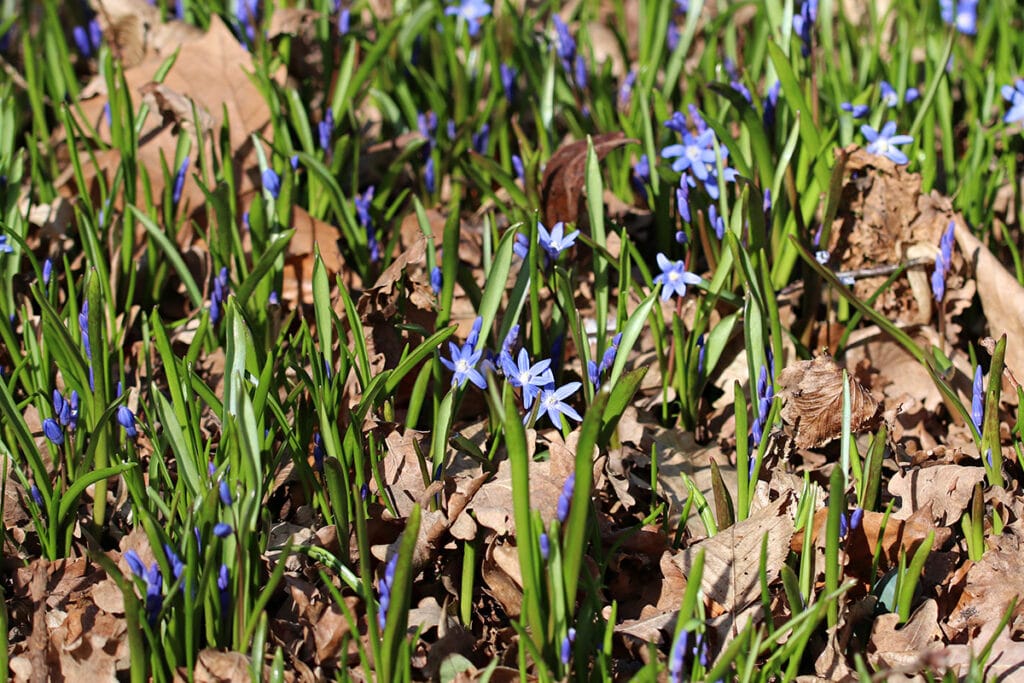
(565, 44)
(219, 294)
(545, 545)
(890, 97)
(771, 105)
(674, 278)
(529, 378)
(552, 402)
(222, 530)
(1015, 96)
(565, 498)
(344, 21)
(436, 280)
(463, 364)
(363, 203)
(978, 399)
(626, 88)
(179, 180)
(154, 583)
(481, 139)
(225, 493)
(803, 22)
(567, 642)
(857, 111)
(470, 11)
(384, 588)
(53, 431)
(272, 182)
(325, 128)
(695, 154)
(942, 263)
(223, 583)
(508, 81)
(5, 246)
(677, 657)
(885, 142)
(963, 14)
(556, 241)
(126, 419)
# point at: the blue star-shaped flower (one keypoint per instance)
(674, 278)
(695, 154)
(963, 14)
(885, 142)
(530, 378)
(556, 241)
(463, 364)
(471, 11)
(552, 402)
(1015, 96)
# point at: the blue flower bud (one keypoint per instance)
(53, 431)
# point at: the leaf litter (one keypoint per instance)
(67, 617)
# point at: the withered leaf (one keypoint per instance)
(947, 488)
(177, 109)
(813, 395)
(732, 558)
(561, 189)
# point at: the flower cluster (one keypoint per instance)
(595, 370)
(325, 129)
(803, 22)
(565, 46)
(978, 399)
(363, 204)
(219, 294)
(65, 417)
(179, 180)
(765, 394)
(942, 263)
(384, 588)
(153, 580)
(88, 38)
(696, 157)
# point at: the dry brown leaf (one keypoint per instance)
(991, 585)
(946, 488)
(678, 454)
(904, 646)
(732, 558)
(563, 183)
(1002, 297)
(214, 666)
(884, 219)
(813, 402)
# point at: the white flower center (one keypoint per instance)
(673, 276)
(693, 152)
(462, 365)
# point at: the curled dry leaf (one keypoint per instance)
(812, 391)
(214, 666)
(561, 188)
(884, 219)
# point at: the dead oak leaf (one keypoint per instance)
(893, 645)
(561, 188)
(732, 558)
(947, 488)
(812, 392)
